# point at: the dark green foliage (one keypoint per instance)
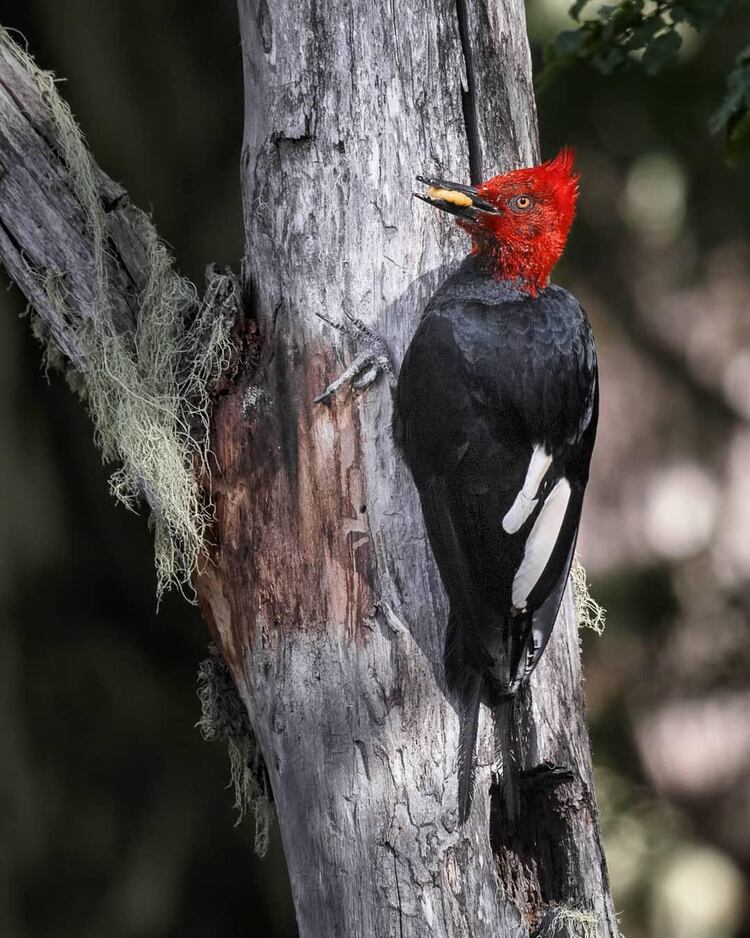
(637, 33)
(660, 51)
(733, 116)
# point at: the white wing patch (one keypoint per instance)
(541, 543)
(527, 498)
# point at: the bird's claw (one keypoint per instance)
(366, 366)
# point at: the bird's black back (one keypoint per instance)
(490, 372)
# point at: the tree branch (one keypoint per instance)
(46, 243)
(145, 351)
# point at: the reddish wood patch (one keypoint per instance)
(292, 546)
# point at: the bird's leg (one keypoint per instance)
(365, 368)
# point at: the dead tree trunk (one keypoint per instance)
(321, 590)
(324, 594)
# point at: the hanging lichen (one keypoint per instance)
(224, 716)
(147, 391)
(589, 614)
(568, 921)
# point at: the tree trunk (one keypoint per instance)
(321, 591)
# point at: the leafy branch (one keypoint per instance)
(648, 35)
(733, 115)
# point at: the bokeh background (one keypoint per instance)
(115, 817)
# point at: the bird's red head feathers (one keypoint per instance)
(536, 208)
(519, 220)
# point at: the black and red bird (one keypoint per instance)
(496, 411)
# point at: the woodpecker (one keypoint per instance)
(496, 412)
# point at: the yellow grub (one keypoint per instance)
(448, 195)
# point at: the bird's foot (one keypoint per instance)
(366, 366)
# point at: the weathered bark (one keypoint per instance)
(43, 226)
(322, 591)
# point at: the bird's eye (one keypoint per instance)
(521, 203)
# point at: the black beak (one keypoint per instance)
(455, 198)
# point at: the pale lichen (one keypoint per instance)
(568, 921)
(224, 717)
(148, 390)
(589, 614)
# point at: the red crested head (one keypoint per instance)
(519, 220)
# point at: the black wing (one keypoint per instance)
(478, 389)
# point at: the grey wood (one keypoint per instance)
(43, 230)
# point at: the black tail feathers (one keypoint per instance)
(470, 697)
(467, 678)
(506, 750)
(510, 789)
(468, 684)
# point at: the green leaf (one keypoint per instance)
(733, 114)
(628, 15)
(622, 18)
(678, 13)
(610, 59)
(737, 96)
(738, 139)
(700, 14)
(569, 41)
(643, 34)
(661, 51)
(577, 8)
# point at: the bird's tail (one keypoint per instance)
(506, 750)
(470, 697)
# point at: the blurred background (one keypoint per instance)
(115, 818)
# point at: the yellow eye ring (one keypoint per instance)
(521, 203)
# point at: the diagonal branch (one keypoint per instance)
(132, 334)
(46, 239)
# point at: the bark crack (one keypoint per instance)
(468, 95)
(398, 896)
